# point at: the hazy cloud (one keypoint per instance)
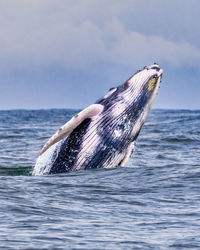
(43, 42)
(76, 34)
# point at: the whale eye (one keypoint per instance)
(152, 83)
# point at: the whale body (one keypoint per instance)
(103, 134)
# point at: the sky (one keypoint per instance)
(68, 53)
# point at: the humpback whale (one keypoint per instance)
(103, 134)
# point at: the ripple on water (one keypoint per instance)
(153, 203)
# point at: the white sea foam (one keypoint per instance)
(44, 161)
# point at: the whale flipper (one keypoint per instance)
(129, 151)
(75, 121)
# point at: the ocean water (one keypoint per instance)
(152, 203)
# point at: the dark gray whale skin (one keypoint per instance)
(104, 141)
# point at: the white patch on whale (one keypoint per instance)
(109, 93)
(119, 109)
(117, 133)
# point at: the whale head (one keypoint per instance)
(134, 97)
(145, 83)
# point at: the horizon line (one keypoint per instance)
(74, 109)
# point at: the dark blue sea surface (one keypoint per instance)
(152, 203)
